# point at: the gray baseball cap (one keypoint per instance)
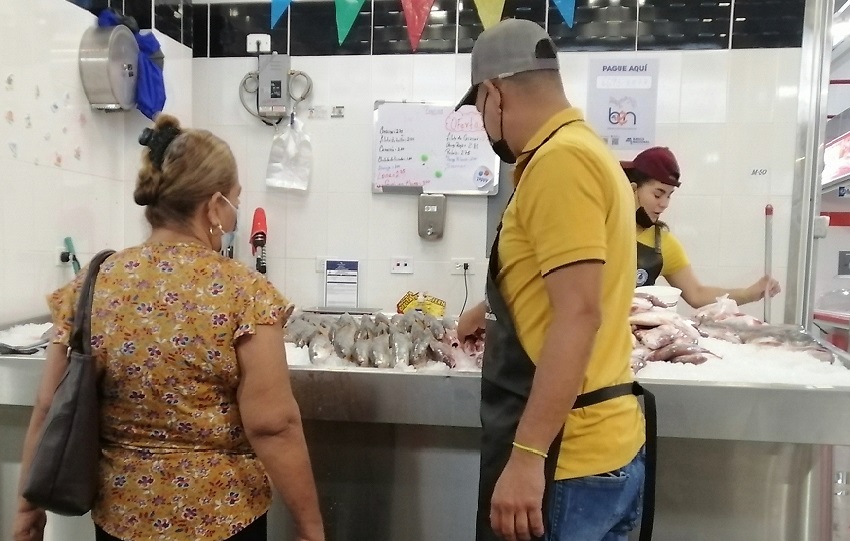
(512, 46)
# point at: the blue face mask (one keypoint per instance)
(228, 239)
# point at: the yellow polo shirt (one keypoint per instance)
(573, 204)
(673, 254)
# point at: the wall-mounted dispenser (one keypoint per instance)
(273, 96)
(432, 216)
(108, 67)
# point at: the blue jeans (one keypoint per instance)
(599, 507)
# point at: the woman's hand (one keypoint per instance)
(765, 286)
(29, 524)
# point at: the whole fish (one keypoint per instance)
(435, 326)
(442, 353)
(692, 358)
(668, 353)
(419, 354)
(362, 351)
(719, 333)
(662, 336)
(654, 318)
(344, 338)
(293, 328)
(406, 321)
(320, 348)
(640, 305)
(450, 323)
(401, 348)
(380, 356)
(346, 319)
(655, 301)
(366, 330)
(381, 319)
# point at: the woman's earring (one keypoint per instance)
(220, 229)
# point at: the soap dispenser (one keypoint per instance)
(432, 216)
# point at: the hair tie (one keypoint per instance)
(157, 141)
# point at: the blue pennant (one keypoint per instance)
(278, 9)
(568, 10)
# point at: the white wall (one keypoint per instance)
(724, 113)
(84, 197)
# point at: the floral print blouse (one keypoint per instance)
(176, 463)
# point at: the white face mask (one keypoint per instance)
(229, 238)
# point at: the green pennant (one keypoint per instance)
(346, 13)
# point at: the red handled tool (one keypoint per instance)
(259, 235)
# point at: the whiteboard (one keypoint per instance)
(430, 148)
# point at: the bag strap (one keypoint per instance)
(80, 341)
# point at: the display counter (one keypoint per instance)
(395, 453)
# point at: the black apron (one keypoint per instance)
(649, 261)
(506, 377)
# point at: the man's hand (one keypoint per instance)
(516, 510)
(471, 321)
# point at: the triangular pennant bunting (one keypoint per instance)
(416, 15)
(568, 10)
(489, 11)
(278, 9)
(346, 13)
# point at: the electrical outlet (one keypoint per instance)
(459, 262)
(401, 265)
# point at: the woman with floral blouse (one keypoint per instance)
(198, 419)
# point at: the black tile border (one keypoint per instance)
(314, 32)
(600, 25)
(200, 30)
(230, 24)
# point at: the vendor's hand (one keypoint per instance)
(516, 510)
(29, 524)
(470, 322)
(766, 285)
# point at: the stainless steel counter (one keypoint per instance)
(395, 454)
(742, 412)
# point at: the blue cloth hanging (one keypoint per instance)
(150, 84)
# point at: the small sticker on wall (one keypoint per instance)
(65, 130)
(67, 98)
(842, 191)
(78, 153)
(54, 107)
(13, 148)
(37, 92)
(83, 120)
(10, 117)
(58, 160)
(28, 121)
(10, 82)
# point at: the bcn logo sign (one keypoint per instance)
(621, 118)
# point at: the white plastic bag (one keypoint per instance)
(291, 158)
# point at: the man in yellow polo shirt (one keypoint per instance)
(563, 433)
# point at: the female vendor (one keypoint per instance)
(654, 176)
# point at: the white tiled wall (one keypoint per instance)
(724, 113)
(63, 168)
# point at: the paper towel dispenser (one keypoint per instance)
(108, 67)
